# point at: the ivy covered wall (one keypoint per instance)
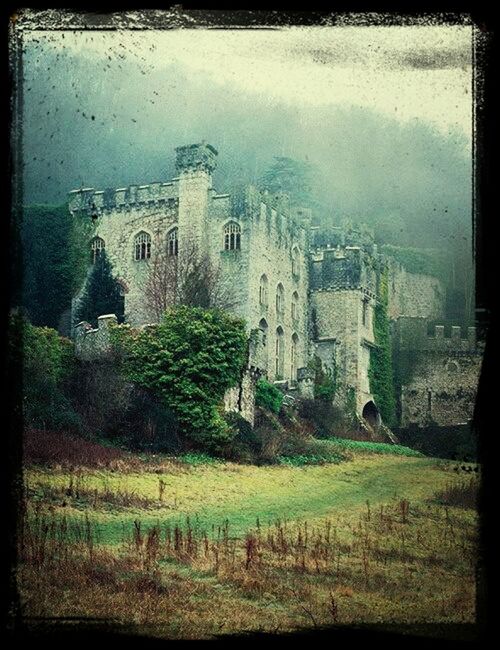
(380, 372)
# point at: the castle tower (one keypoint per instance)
(194, 165)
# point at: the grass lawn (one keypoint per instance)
(360, 541)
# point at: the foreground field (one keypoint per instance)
(192, 551)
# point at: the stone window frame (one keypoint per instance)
(280, 299)
(173, 241)
(364, 314)
(293, 356)
(142, 246)
(279, 367)
(97, 245)
(264, 328)
(295, 262)
(294, 307)
(232, 236)
(264, 291)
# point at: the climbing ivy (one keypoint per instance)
(188, 360)
(380, 372)
(325, 378)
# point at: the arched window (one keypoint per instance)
(295, 306)
(142, 246)
(96, 246)
(263, 295)
(232, 237)
(173, 242)
(280, 353)
(280, 299)
(263, 329)
(295, 261)
(293, 357)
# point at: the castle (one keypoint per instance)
(303, 291)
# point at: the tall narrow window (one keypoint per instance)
(264, 352)
(232, 237)
(295, 306)
(173, 242)
(365, 312)
(142, 246)
(96, 247)
(295, 262)
(280, 353)
(263, 295)
(280, 300)
(293, 357)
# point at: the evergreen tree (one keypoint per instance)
(102, 293)
(294, 177)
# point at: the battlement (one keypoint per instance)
(412, 334)
(196, 157)
(343, 235)
(160, 195)
(341, 268)
(249, 202)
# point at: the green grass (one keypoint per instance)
(395, 554)
(374, 447)
(241, 493)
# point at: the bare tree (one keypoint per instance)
(190, 278)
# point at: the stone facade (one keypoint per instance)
(303, 291)
(438, 374)
(414, 294)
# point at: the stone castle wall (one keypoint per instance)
(438, 375)
(270, 234)
(414, 294)
(340, 332)
(331, 272)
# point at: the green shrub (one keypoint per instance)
(246, 444)
(325, 379)
(47, 364)
(327, 419)
(188, 360)
(267, 396)
(373, 447)
(314, 452)
(196, 459)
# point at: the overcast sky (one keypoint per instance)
(405, 72)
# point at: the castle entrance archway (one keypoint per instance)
(372, 415)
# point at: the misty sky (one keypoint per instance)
(385, 114)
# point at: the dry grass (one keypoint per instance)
(398, 562)
(461, 493)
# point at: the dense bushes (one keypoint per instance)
(55, 259)
(327, 419)
(47, 364)
(325, 379)
(267, 396)
(189, 360)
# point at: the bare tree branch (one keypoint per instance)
(190, 278)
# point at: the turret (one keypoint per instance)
(194, 164)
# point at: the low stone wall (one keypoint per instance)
(94, 343)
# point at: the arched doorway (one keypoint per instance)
(372, 415)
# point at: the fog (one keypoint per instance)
(108, 113)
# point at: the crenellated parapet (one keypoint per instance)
(340, 268)
(248, 202)
(152, 195)
(195, 157)
(412, 334)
